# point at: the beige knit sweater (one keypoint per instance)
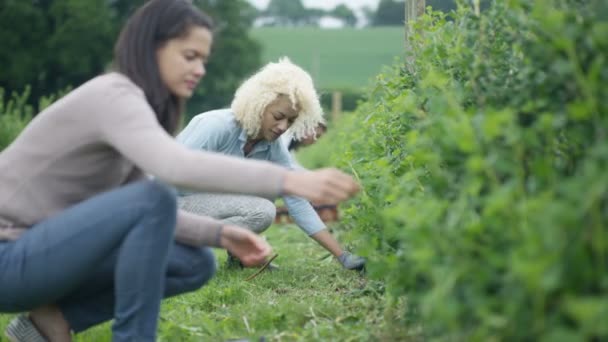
(95, 139)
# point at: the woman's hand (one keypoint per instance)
(249, 247)
(324, 186)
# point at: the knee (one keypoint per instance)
(161, 195)
(202, 270)
(264, 216)
(161, 200)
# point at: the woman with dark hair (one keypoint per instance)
(84, 237)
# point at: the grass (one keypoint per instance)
(310, 298)
(341, 58)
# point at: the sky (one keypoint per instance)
(324, 4)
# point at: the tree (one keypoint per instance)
(313, 16)
(389, 13)
(54, 44)
(345, 13)
(368, 14)
(234, 54)
(287, 12)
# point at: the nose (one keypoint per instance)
(199, 71)
(283, 125)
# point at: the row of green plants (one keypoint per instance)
(483, 160)
(15, 113)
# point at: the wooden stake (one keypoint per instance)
(336, 105)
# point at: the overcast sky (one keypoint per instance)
(325, 4)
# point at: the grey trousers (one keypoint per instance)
(250, 212)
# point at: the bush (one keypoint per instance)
(482, 160)
(16, 113)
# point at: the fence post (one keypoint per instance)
(421, 7)
(336, 105)
(413, 9)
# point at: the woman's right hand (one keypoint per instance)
(324, 186)
(249, 247)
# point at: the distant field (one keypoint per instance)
(335, 58)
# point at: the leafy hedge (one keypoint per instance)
(15, 113)
(483, 160)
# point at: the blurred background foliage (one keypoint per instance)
(49, 45)
(52, 45)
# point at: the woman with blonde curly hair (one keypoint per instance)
(278, 97)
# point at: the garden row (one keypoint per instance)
(483, 159)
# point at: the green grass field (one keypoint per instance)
(341, 58)
(311, 298)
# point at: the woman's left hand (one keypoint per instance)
(249, 247)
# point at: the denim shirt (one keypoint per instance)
(218, 131)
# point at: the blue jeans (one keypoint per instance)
(105, 257)
(188, 270)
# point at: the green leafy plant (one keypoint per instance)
(482, 158)
(16, 113)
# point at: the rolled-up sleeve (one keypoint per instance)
(300, 210)
(304, 215)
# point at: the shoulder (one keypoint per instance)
(116, 106)
(105, 98)
(112, 84)
(210, 130)
(215, 120)
(224, 116)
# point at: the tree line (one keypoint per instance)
(387, 13)
(49, 46)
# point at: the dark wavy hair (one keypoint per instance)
(151, 26)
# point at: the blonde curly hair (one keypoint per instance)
(271, 81)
